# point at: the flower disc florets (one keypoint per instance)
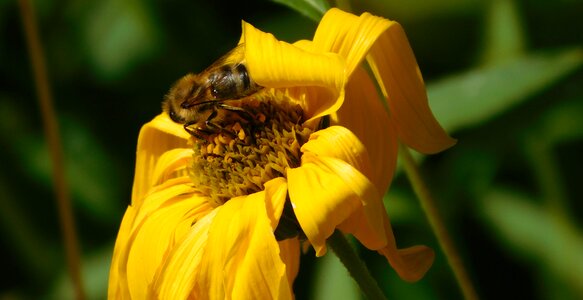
(243, 155)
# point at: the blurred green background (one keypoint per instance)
(504, 78)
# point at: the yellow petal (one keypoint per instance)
(346, 34)
(411, 263)
(315, 79)
(364, 114)
(176, 279)
(394, 65)
(290, 255)
(341, 143)
(171, 164)
(163, 220)
(118, 287)
(275, 196)
(156, 137)
(326, 192)
(242, 259)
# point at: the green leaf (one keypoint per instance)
(548, 241)
(476, 96)
(313, 9)
(332, 281)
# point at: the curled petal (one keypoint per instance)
(410, 263)
(341, 143)
(367, 117)
(242, 258)
(156, 137)
(393, 63)
(315, 79)
(326, 192)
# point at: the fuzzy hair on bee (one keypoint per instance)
(195, 100)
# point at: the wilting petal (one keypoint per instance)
(393, 62)
(242, 258)
(156, 137)
(316, 80)
(348, 35)
(326, 192)
(410, 263)
(394, 65)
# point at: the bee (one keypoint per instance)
(203, 101)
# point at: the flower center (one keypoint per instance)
(244, 152)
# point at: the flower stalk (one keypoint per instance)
(437, 224)
(51, 128)
(355, 266)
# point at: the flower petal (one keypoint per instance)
(326, 192)
(341, 143)
(366, 116)
(156, 137)
(275, 196)
(242, 258)
(290, 255)
(176, 279)
(163, 219)
(410, 263)
(315, 79)
(394, 65)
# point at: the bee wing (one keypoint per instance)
(233, 57)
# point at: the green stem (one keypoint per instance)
(355, 266)
(56, 152)
(437, 224)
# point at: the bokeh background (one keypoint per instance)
(504, 77)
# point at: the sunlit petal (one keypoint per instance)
(176, 278)
(367, 117)
(156, 137)
(394, 65)
(341, 143)
(164, 219)
(242, 258)
(326, 192)
(275, 195)
(393, 62)
(315, 79)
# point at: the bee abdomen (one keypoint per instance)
(232, 82)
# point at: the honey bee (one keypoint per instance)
(201, 101)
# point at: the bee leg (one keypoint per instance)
(240, 111)
(216, 128)
(245, 115)
(196, 132)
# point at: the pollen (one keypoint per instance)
(243, 156)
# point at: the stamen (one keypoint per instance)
(240, 158)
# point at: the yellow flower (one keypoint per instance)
(181, 240)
